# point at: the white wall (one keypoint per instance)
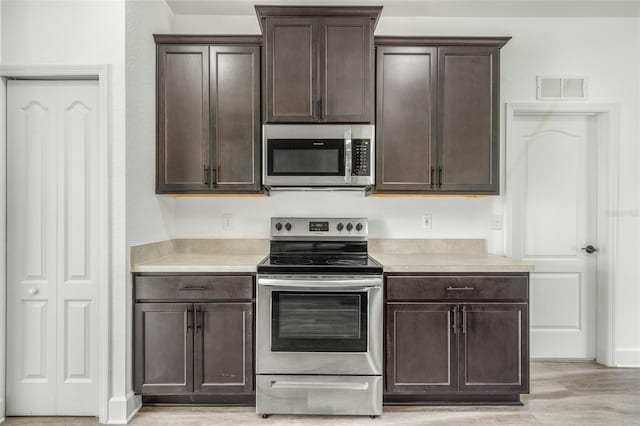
(84, 32)
(149, 218)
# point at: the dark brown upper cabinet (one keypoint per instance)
(183, 118)
(437, 115)
(208, 114)
(406, 118)
(318, 63)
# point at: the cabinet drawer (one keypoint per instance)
(469, 287)
(194, 287)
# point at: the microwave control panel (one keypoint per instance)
(361, 157)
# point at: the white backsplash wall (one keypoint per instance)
(388, 217)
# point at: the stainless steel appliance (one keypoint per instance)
(319, 320)
(318, 155)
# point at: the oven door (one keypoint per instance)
(307, 162)
(319, 325)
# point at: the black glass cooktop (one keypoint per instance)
(310, 263)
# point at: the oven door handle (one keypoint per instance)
(319, 385)
(320, 284)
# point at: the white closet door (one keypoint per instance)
(552, 181)
(51, 260)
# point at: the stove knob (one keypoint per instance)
(340, 227)
(288, 226)
(279, 226)
(359, 227)
(349, 226)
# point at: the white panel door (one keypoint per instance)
(552, 184)
(51, 260)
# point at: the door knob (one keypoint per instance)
(589, 249)
(33, 291)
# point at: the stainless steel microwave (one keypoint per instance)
(319, 155)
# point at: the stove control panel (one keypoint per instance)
(331, 228)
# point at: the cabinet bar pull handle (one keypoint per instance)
(439, 177)
(206, 175)
(192, 288)
(198, 318)
(189, 313)
(455, 320)
(464, 319)
(320, 112)
(433, 176)
(460, 288)
(215, 176)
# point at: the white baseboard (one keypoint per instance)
(123, 408)
(627, 357)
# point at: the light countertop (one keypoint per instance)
(193, 255)
(417, 263)
(441, 255)
(396, 255)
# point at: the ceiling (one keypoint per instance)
(438, 8)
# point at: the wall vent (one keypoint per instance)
(561, 87)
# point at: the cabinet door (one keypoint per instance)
(163, 348)
(183, 119)
(291, 52)
(224, 348)
(420, 350)
(494, 348)
(235, 107)
(405, 120)
(468, 81)
(346, 64)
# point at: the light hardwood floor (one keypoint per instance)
(562, 393)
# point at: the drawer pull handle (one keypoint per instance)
(460, 288)
(319, 385)
(193, 288)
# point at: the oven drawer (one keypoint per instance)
(194, 287)
(301, 394)
(456, 287)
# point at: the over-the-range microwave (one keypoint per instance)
(318, 155)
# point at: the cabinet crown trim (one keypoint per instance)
(440, 41)
(295, 11)
(206, 39)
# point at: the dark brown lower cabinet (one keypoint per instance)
(224, 333)
(164, 348)
(456, 339)
(193, 339)
(494, 355)
(420, 348)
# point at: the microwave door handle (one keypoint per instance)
(347, 160)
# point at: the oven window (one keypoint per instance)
(300, 157)
(319, 322)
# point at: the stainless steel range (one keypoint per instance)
(319, 320)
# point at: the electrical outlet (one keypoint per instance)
(496, 222)
(227, 222)
(426, 221)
